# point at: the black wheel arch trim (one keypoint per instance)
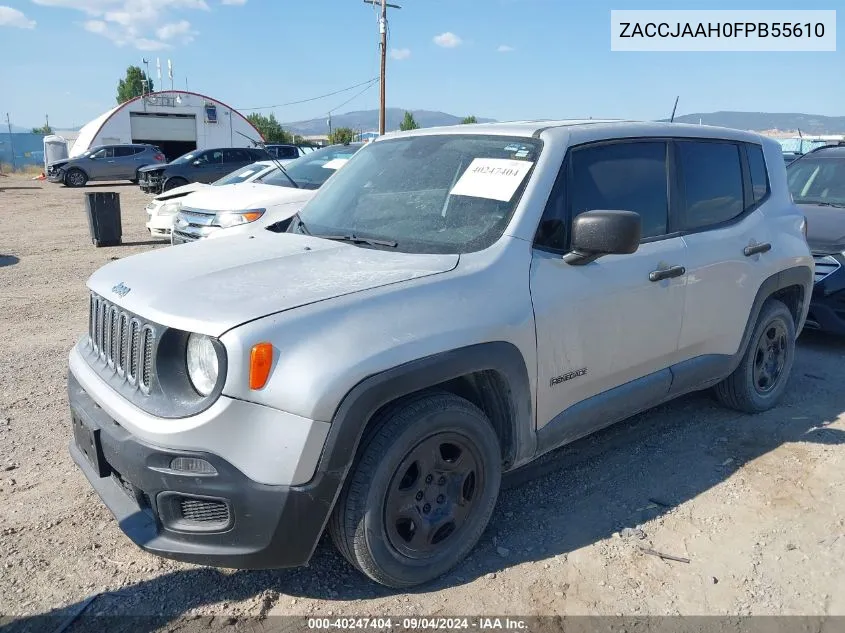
(801, 276)
(311, 504)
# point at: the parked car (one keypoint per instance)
(453, 303)
(105, 162)
(262, 202)
(204, 166)
(287, 152)
(817, 184)
(162, 209)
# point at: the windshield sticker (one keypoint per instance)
(492, 178)
(245, 174)
(511, 148)
(335, 163)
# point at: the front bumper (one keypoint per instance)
(827, 306)
(223, 520)
(56, 175)
(159, 225)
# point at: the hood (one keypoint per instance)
(825, 228)
(59, 163)
(178, 192)
(156, 167)
(244, 195)
(211, 286)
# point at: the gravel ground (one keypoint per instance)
(755, 503)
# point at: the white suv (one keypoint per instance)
(451, 304)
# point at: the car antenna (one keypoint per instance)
(672, 120)
(276, 162)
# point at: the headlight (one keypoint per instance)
(171, 207)
(226, 219)
(202, 363)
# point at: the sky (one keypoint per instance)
(503, 59)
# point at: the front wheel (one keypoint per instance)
(172, 183)
(75, 178)
(422, 491)
(759, 382)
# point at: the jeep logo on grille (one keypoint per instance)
(121, 289)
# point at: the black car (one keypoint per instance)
(204, 166)
(817, 184)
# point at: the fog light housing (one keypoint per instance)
(192, 465)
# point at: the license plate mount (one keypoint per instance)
(88, 441)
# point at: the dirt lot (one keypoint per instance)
(757, 504)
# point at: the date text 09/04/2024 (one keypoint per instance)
(418, 623)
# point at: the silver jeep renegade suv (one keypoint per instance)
(452, 304)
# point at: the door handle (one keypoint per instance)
(666, 273)
(754, 249)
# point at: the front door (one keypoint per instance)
(606, 331)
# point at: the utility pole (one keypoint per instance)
(382, 27)
(11, 143)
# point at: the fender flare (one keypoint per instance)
(796, 276)
(362, 401)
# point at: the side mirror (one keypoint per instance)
(598, 233)
(196, 163)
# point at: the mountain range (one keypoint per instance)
(367, 120)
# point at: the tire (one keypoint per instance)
(172, 183)
(759, 382)
(75, 178)
(455, 498)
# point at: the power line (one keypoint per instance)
(330, 94)
(354, 97)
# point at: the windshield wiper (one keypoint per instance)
(354, 239)
(273, 158)
(828, 204)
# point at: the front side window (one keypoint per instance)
(628, 176)
(817, 180)
(711, 182)
(103, 152)
(445, 193)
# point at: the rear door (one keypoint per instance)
(124, 162)
(723, 185)
(234, 158)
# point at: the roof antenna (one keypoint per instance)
(675, 108)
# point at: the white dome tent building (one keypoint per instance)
(177, 121)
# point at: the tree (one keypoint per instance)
(269, 128)
(469, 119)
(133, 85)
(44, 130)
(408, 123)
(341, 136)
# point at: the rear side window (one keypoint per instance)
(124, 150)
(236, 156)
(759, 174)
(623, 176)
(286, 152)
(711, 182)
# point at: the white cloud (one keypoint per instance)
(400, 53)
(144, 24)
(180, 31)
(447, 40)
(504, 48)
(13, 17)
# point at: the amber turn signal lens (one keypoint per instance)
(252, 216)
(260, 362)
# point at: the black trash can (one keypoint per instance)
(103, 208)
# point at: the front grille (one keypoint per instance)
(124, 342)
(203, 511)
(826, 265)
(179, 237)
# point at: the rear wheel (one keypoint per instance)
(759, 382)
(75, 178)
(421, 493)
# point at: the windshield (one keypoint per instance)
(817, 180)
(241, 175)
(185, 158)
(313, 169)
(451, 193)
